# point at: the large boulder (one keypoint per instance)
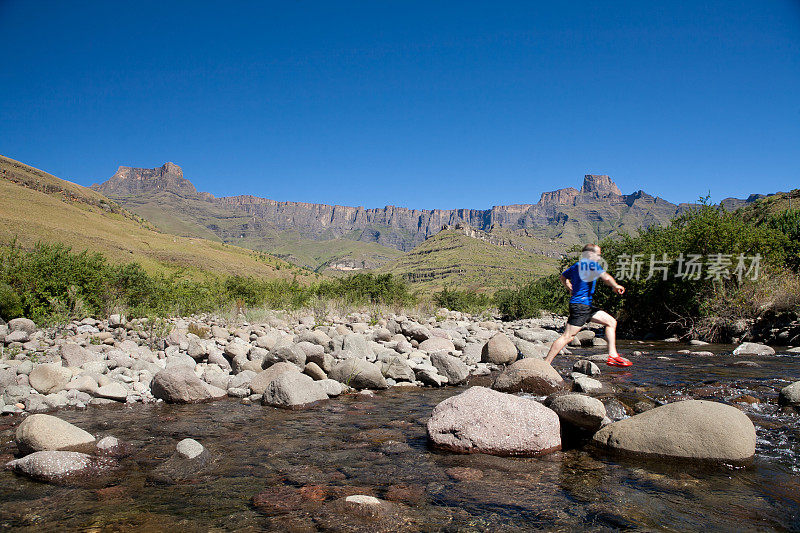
(691, 429)
(790, 395)
(358, 373)
(415, 331)
(57, 466)
(481, 420)
(499, 350)
(74, 355)
(578, 410)
(537, 335)
(531, 375)
(398, 369)
(45, 432)
(47, 378)
(437, 344)
(753, 348)
(22, 324)
(181, 385)
(586, 384)
(260, 382)
(290, 354)
(452, 367)
(292, 389)
(357, 345)
(530, 349)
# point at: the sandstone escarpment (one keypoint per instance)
(567, 215)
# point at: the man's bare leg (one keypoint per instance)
(601, 317)
(569, 333)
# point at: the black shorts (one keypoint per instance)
(579, 314)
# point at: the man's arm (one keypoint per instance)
(609, 280)
(565, 282)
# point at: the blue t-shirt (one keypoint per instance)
(582, 289)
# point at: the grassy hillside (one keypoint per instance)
(36, 206)
(451, 258)
(326, 256)
(196, 217)
(772, 205)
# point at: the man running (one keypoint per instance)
(580, 280)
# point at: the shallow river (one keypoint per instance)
(298, 463)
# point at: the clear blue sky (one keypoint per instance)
(418, 104)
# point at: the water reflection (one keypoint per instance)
(285, 470)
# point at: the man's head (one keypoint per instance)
(591, 249)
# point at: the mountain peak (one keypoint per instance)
(599, 184)
(130, 181)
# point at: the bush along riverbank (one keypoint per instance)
(710, 275)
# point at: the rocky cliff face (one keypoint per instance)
(596, 210)
(131, 181)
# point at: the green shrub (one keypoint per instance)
(50, 283)
(544, 294)
(10, 302)
(466, 301)
(676, 305)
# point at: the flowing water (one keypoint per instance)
(271, 469)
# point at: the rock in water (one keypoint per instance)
(189, 448)
(481, 420)
(54, 466)
(790, 395)
(499, 350)
(584, 366)
(359, 374)
(691, 429)
(261, 381)
(44, 432)
(180, 385)
(753, 348)
(531, 375)
(292, 389)
(579, 410)
(452, 367)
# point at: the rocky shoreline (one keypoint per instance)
(293, 363)
(279, 362)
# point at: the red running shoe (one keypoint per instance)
(617, 360)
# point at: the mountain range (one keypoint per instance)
(356, 237)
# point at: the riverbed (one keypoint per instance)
(274, 469)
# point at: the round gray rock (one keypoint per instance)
(586, 367)
(753, 348)
(499, 350)
(691, 429)
(45, 432)
(579, 410)
(22, 324)
(181, 385)
(189, 448)
(790, 395)
(260, 382)
(481, 420)
(531, 375)
(56, 465)
(437, 344)
(47, 378)
(359, 374)
(451, 367)
(292, 389)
